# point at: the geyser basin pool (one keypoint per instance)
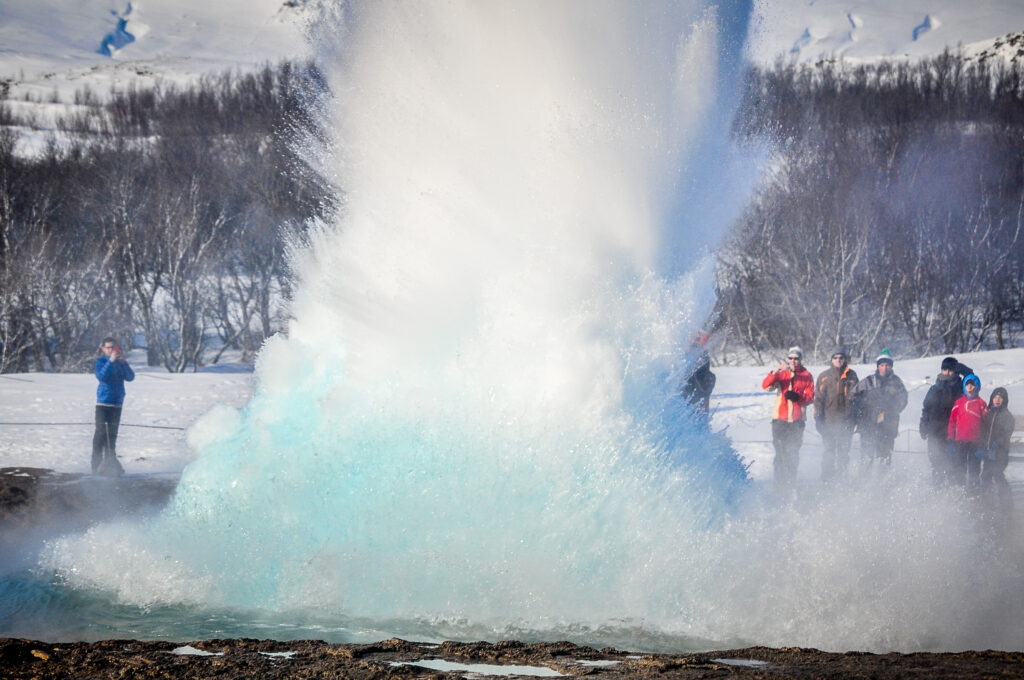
(471, 428)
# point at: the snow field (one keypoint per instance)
(158, 399)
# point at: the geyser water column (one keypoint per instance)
(468, 405)
(471, 417)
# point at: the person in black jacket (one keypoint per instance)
(878, 401)
(697, 387)
(996, 430)
(934, 424)
(698, 381)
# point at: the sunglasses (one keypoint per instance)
(837, 356)
(793, 358)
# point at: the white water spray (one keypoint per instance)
(470, 426)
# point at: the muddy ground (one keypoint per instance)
(31, 498)
(244, 658)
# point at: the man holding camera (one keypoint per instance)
(112, 371)
(796, 390)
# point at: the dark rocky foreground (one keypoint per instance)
(33, 500)
(244, 658)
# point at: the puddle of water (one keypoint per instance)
(753, 663)
(279, 655)
(597, 663)
(189, 650)
(481, 668)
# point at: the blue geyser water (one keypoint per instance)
(470, 429)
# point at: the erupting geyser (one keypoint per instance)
(470, 428)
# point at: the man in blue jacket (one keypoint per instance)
(112, 371)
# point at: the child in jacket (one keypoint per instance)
(996, 430)
(964, 433)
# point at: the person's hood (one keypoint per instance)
(968, 378)
(1006, 397)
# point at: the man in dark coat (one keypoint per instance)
(938, 403)
(878, 401)
(833, 416)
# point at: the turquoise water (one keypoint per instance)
(40, 607)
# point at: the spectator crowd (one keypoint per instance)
(968, 438)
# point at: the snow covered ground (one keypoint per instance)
(49, 46)
(62, 407)
(819, 29)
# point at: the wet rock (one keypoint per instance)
(38, 497)
(247, 658)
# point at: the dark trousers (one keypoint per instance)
(993, 478)
(836, 456)
(877, 443)
(966, 466)
(941, 459)
(104, 439)
(787, 438)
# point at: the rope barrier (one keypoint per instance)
(152, 427)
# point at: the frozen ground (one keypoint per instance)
(60, 406)
(809, 30)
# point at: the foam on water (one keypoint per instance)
(470, 428)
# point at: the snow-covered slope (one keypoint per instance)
(809, 30)
(59, 45)
(49, 46)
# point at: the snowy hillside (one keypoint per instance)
(59, 45)
(810, 30)
(49, 46)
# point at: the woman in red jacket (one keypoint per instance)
(964, 433)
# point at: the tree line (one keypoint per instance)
(891, 214)
(166, 210)
(891, 210)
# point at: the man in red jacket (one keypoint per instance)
(795, 386)
(964, 433)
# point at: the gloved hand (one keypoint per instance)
(924, 434)
(980, 453)
(950, 448)
(819, 424)
(792, 395)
